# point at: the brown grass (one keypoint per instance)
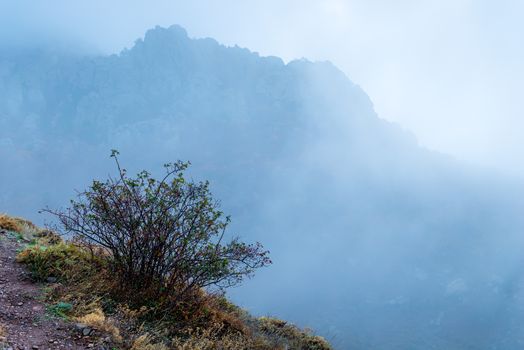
(9, 223)
(98, 320)
(26, 224)
(48, 237)
(3, 335)
(145, 342)
(26, 229)
(203, 322)
(214, 338)
(294, 337)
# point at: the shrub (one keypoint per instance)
(165, 237)
(61, 309)
(64, 261)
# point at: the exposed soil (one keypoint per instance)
(25, 322)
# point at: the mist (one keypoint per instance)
(377, 241)
(449, 71)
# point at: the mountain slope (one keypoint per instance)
(371, 235)
(23, 319)
(62, 299)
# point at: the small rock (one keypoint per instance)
(83, 329)
(80, 326)
(35, 347)
(20, 304)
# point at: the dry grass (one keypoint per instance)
(205, 322)
(85, 294)
(292, 336)
(145, 342)
(211, 338)
(9, 223)
(26, 224)
(98, 320)
(24, 228)
(65, 261)
(3, 335)
(48, 237)
(214, 338)
(263, 334)
(83, 280)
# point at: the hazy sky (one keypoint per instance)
(448, 70)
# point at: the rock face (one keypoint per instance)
(369, 232)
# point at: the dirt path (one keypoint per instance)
(25, 323)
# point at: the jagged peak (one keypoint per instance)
(172, 32)
(176, 39)
(161, 36)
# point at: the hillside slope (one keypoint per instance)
(24, 321)
(60, 299)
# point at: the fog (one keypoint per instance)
(377, 242)
(449, 71)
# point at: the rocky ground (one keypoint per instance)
(24, 322)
